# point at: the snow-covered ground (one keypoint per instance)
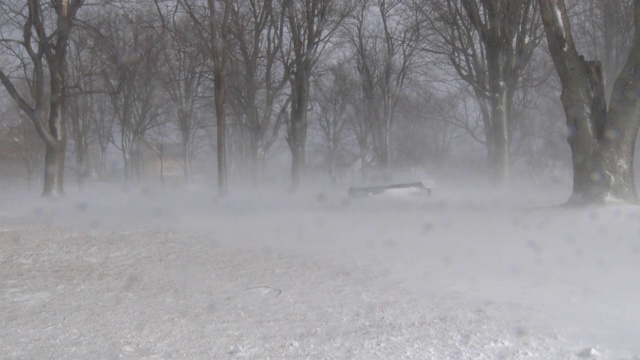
(470, 273)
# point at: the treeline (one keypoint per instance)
(366, 84)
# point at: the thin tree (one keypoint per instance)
(257, 28)
(82, 113)
(216, 28)
(384, 35)
(310, 25)
(183, 72)
(331, 103)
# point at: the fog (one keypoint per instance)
(470, 272)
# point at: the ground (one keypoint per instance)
(464, 274)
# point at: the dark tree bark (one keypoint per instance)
(602, 140)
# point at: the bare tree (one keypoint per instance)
(132, 48)
(602, 139)
(44, 30)
(102, 119)
(83, 73)
(489, 43)
(257, 27)
(310, 25)
(215, 26)
(384, 35)
(183, 74)
(331, 112)
(426, 125)
(351, 96)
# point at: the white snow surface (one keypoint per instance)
(469, 273)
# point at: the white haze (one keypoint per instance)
(469, 273)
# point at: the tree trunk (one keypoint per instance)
(309, 30)
(585, 109)
(298, 130)
(80, 167)
(223, 188)
(56, 144)
(186, 160)
(161, 155)
(53, 171)
(220, 57)
(602, 142)
(127, 164)
(623, 120)
(256, 158)
(499, 133)
(497, 49)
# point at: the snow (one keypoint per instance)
(559, 18)
(469, 273)
(560, 26)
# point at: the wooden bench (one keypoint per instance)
(425, 185)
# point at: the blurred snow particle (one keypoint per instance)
(322, 198)
(265, 290)
(81, 206)
(588, 353)
(158, 212)
(128, 282)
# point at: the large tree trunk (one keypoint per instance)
(623, 120)
(55, 144)
(53, 171)
(602, 143)
(502, 76)
(583, 102)
(498, 138)
(499, 125)
(585, 108)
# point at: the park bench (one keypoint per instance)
(425, 185)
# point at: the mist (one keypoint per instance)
(469, 272)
